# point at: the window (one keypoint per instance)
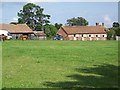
(74, 35)
(96, 35)
(89, 35)
(82, 35)
(103, 36)
(9, 34)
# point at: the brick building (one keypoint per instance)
(16, 30)
(97, 32)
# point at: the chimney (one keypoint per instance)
(97, 24)
(102, 24)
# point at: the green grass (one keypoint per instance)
(60, 64)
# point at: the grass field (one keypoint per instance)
(60, 64)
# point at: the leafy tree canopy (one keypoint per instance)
(33, 16)
(13, 22)
(50, 31)
(114, 31)
(79, 21)
(58, 26)
(116, 24)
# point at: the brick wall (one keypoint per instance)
(87, 37)
(62, 33)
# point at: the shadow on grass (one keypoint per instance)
(102, 76)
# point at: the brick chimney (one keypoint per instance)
(102, 24)
(97, 24)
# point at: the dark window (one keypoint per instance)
(82, 35)
(74, 35)
(96, 35)
(89, 35)
(9, 34)
(103, 36)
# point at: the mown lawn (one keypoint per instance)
(59, 64)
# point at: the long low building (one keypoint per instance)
(16, 30)
(83, 32)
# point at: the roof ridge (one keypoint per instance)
(84, 29)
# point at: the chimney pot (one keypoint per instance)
(97, 24)
(102, 24)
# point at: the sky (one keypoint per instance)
(106, 12)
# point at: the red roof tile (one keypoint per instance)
(18, 28)
(83, 29)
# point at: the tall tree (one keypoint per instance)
(116, 24)
(33, 16)
(58, 26)
(79, 21)
(50, 31)
(114, 31)
(111, 34)
(116, 28)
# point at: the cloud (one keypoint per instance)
(14, 19)
(31, 1)
(107, 20)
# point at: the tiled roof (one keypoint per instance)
(83, 29)
(18, 28)
(39, 33)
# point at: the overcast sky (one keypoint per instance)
(93, 12)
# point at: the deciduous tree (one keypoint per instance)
(33, 16)
(58, 26)
(79, 21)
(50, 31)
(114, 31)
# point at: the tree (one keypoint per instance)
(58, 26)
(114, 31)
(13, 22)
(116, 28)
(33, 16)
(110, 34)
(79, 21)
(50, 31)
(116, 24)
